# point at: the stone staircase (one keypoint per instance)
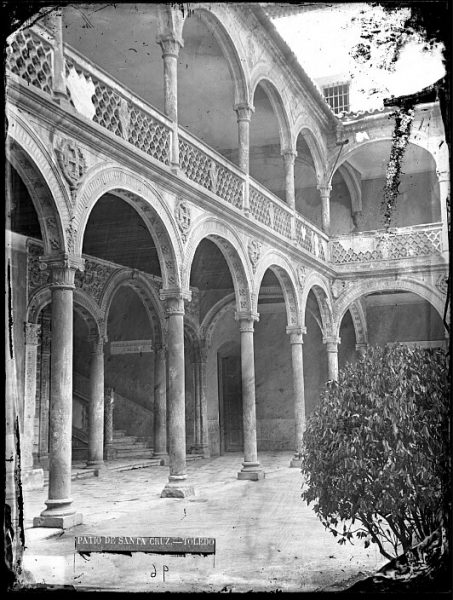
(129, 446)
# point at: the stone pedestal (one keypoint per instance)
(296, 340)
(177, 486)
(251, 468)
(160, 406)
(59, 511)
(96, 405)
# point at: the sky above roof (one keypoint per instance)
(351, 40)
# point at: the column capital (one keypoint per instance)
(296, 334)
(170, 44)
(332, 342)
(174, 300)
(62, 268)
(246, 320)
(361, 347)
(324, 189)
(289, 155)
(32, 331)
(244, 111)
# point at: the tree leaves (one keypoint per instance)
(378, 444)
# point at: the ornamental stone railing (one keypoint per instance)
(394, 244)
(311, 239)
(269, 210)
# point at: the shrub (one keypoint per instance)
(376, 455)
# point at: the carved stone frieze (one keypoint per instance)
(183, 218)
(93, 280)
(254, 251)
(72, 163)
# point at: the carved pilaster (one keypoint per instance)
(32, 333)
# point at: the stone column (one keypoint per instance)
(361, 348)
(244, 113)
(444, 195)
(197, 408)
(289, 158)
(170, 45)
(204, 405)
(160, 405)
(59, 75)
(177, 486)
(251, 468)
(109, 405)
(96, 406)
(325, 206)
(296, 341)
(31, 478)
(59, 511)
(332, 355)
(44, 394)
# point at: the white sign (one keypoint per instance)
(131, 347)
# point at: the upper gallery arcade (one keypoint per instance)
(195, 241)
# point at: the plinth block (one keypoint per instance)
(163, 458)
(60, 522)
(251, 475)
(177, 491)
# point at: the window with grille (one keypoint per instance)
(337, 97)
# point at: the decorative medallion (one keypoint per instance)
(337, 287)
(442, 284)
(254, 250)
(72, 163)
(183, 218)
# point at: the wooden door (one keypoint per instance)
(231, 390)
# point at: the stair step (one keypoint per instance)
(119, 432)
(134, 452)
(130, 441)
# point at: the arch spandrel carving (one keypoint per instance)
(146, 200)
(280, 266)
(29, 156)
(233, 251)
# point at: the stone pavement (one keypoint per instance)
(266, 536)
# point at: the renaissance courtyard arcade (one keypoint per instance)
(195, 242)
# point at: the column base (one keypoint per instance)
(109, 453)
(33, 479)
(295, 462)
(163, 458)
(62, 522)
(177, 489)
(96, 464)
(251, 471)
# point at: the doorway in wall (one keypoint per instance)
(230, 394)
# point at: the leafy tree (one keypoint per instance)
(376, 454)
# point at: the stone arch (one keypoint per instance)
(83, 304)
(193, 335)
(368, 286)
(223, 37)
(315, 144)
(279, 265)
(148, 203)
(278, 106)
(358, 316)
(439, 156)
(207, 327)
(229, 243)
(314, 282)
(28, 155)
(145, 290)
(353, 184)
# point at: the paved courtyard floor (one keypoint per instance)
(266, 536)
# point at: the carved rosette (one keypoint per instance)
(301, 275)
(338, 287)
(72, 164)
(183, 218)
(254, 252)
(442, 284)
